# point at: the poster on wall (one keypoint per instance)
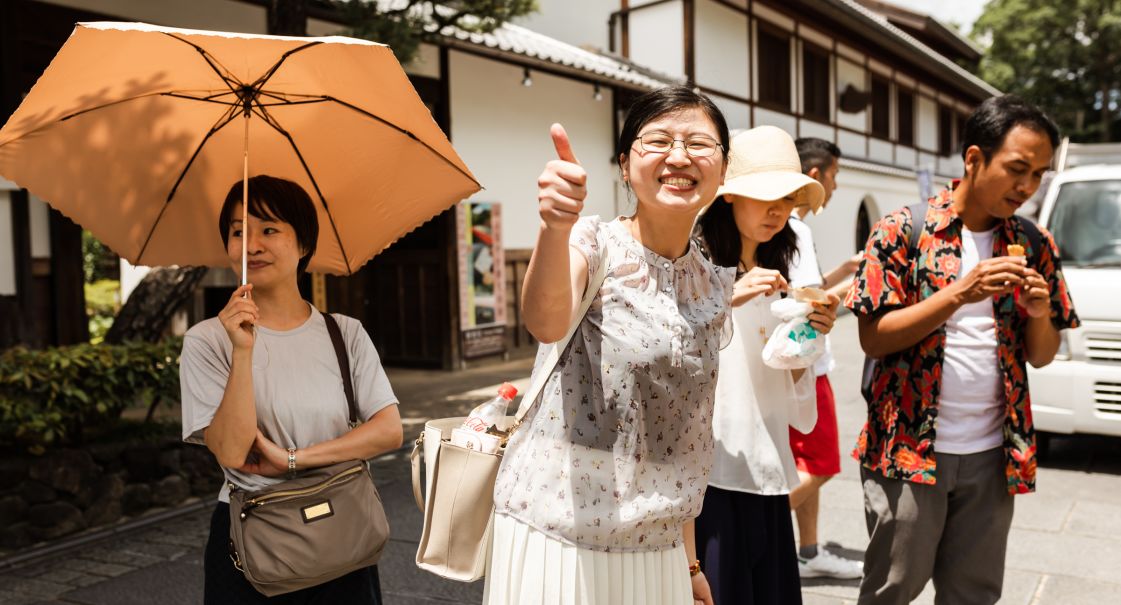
(482, 279)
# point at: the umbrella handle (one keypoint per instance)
(245, 205)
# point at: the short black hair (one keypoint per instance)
(994, 118)
(275, 199)
(661, 101)
(816, 153)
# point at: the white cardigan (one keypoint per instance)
(755, 406)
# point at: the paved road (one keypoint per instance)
(1065, 546)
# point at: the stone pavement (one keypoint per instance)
(1065, 546)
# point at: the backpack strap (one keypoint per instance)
(1035, 237)
(344, 365)
(918, 224)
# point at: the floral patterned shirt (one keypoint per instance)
(615, 457)
(899, 438)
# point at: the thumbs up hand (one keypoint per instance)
(561, 187)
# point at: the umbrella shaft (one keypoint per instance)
(245, 206)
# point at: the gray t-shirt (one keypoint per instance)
(296, 383)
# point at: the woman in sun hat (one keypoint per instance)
(745, 539)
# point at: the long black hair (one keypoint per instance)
(725, 247)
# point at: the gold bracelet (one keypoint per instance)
(694, 568)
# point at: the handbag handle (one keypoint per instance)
(344, 365)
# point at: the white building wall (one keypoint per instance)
(851, 73)
(852, 145)
(906, 157)
(785, 121)
(656, 38)
(926, 124)
(721, 46)
(835, 228)
(577, 22)
(736, 113)
(39, 215)
(501, 130)
(7, 251)
(879, 150)
(816, 129)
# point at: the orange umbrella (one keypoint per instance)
(136, 132)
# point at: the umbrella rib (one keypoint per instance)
(405, 132)
(307, 170)
(214, 64)
(229, 116)
(272, 70)
(104, 106)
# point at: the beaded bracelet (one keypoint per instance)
(694, 568)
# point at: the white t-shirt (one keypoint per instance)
(971, 406)
(296, 383)
(805, 271)
(755, 407)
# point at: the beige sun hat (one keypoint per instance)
(763, 165)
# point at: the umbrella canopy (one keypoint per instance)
(137, 132)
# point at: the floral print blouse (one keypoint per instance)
(899, 439)
(615, 457)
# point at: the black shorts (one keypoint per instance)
(224, 584)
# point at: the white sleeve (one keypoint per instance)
(371, 385)
(203, 374)
(804, 269)
(585, 238)
(804, 417)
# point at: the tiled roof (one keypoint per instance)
(510, 38)
(909, 40)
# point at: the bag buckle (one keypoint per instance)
(235, 558)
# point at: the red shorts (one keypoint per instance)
(819, 452)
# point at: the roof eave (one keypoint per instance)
(848, 16)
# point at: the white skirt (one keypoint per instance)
(527, 567)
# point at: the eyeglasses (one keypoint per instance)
(696, 146)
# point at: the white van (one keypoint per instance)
(1080, 392)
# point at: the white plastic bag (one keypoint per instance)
(794, 344)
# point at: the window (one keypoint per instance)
(774, 68)
(945, 130)
(815, 82)
(905, 126)
(881, 108)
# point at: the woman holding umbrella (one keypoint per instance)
(598, 488)
(261, 384)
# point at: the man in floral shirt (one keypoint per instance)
(953, 322)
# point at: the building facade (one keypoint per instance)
(837, 69)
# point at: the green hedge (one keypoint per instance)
(53, 396)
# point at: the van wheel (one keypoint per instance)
(1043, 444)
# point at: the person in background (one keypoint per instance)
(953, 322)
(745, 539)
(818, 452)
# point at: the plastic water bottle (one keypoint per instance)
(493, 412)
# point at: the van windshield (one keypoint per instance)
(1086, 223)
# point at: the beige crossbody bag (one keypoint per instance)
(459, 482)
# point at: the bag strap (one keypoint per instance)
(344, 365)
(1035, 237)
(530, 397)
(542, 375)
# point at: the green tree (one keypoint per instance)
(404, 24)
(1065, 56)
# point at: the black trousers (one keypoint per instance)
(224, 584)
(745, 543)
